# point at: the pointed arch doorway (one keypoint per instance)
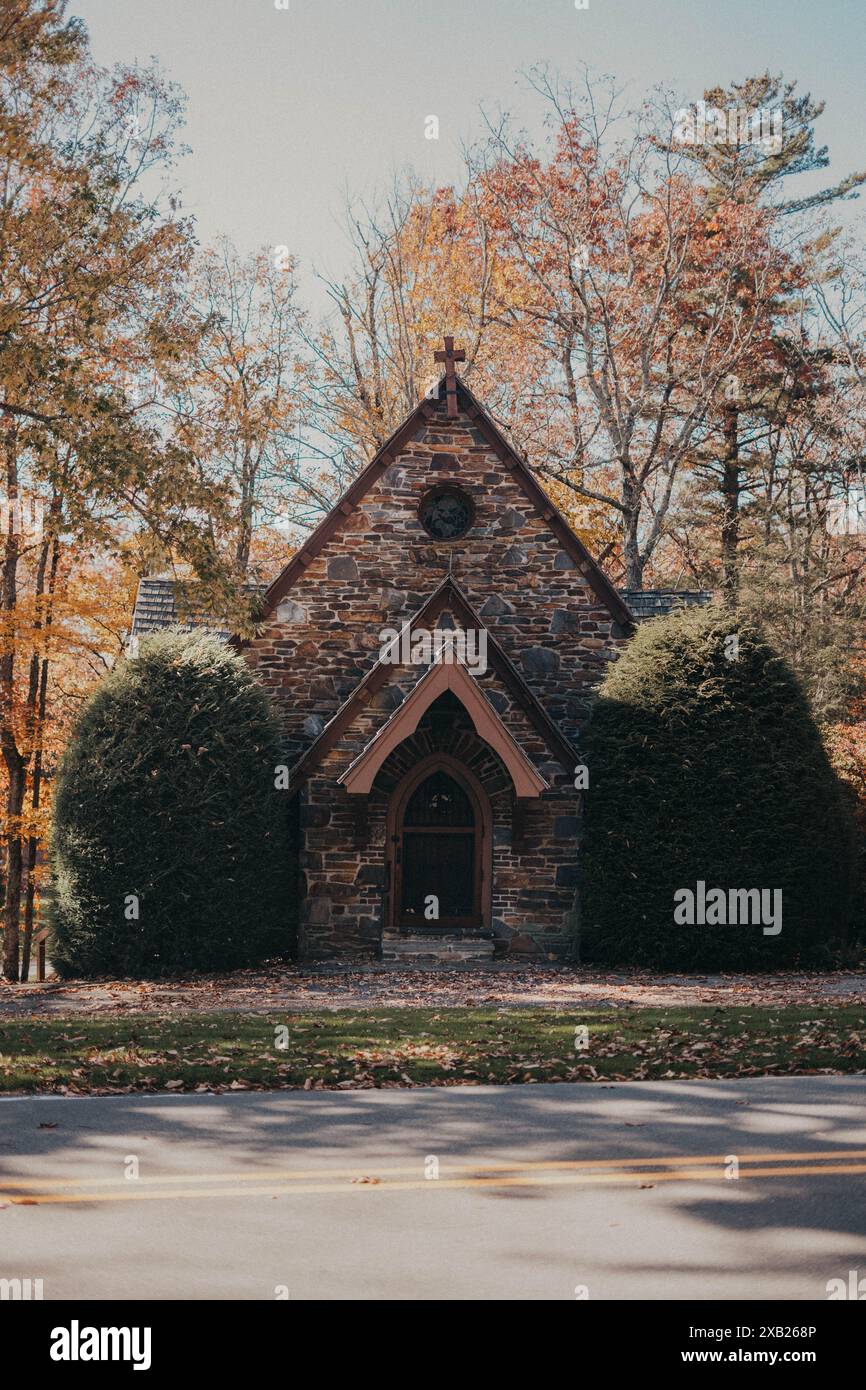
(440, 843)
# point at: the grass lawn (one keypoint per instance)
(400, 1047)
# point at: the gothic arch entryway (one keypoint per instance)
(439, 842)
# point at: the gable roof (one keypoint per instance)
(439, 677)
(447, 595)
(423, 413)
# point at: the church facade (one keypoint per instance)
(431, 651)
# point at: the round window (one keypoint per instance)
(446, 513)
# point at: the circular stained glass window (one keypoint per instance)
(446, 513)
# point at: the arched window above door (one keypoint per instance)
(440, 802)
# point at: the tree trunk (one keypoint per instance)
(14, 864)
(38, 698)
(16, 767)
(29, 899)
(632, 558)
(246, 512)
(731, 505)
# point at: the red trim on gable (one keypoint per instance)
(361, 773)
(447, 595)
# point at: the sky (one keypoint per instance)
(290, 109)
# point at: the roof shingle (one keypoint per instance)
(656, 603)
(156, 608)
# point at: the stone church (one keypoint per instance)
(431, 651)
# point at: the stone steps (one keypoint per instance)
(428, 951)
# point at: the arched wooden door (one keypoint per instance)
(439, 837)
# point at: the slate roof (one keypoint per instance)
(155, 609)
(655, 603)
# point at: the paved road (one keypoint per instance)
(541, 1190)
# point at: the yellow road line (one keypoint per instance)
(531, 1165)
(681, 1174)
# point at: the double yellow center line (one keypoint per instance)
(277, 1182)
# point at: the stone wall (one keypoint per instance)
(344, 858)
(375, 572)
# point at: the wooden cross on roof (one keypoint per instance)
(449, 357)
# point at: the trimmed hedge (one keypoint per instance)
(707, 767)
(170, 843)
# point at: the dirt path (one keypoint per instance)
(291, 989)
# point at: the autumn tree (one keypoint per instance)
(237, 403)
(90, 272)
(425, 262)
(422, 264)
(639, 300)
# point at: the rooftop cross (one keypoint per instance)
(449, 357)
